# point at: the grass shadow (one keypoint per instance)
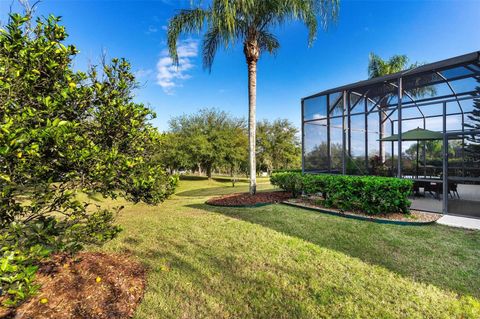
(443, 256)
(205, 265)
(211, 191)
(220, 179)
(193, 178)
(222, 190)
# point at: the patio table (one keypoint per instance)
(429, 185)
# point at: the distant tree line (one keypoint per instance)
(213, 141)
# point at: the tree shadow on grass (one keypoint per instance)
(443, 256)
(220, 179)
(193, 178)
(212, 191)
(263, 285)
(219, 277)
(218, 191)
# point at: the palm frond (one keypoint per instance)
(310, 12)
(211, 41)
(397, 63)
(376, 66)
(228, 22)
(186, 21)
(268, 42)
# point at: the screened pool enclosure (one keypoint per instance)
(422, 124)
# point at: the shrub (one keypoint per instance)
(61, 131)
(290, 182)
(369, 194)
(18, 266)
(25, 244)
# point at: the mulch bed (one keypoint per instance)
(90, 285)
(415, 216)
(245, 199)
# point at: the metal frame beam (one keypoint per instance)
(329, 152)
(366, 137)
(344, 135)
(399, 168)
(445, 161)
(408, 105)
(303, 136)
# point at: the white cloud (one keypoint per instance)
(152, 29)
(168, 74)
(143, 73)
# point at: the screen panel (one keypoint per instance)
(336, 145)
(315, 146)
(315, 108)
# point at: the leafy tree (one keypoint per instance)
(172, 154)
(433, 149)
(250, 22)
(318, 157)
(63, 131)
(236, 158)
(209, 139)
(278, 146)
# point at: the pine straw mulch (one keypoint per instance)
(245, 199)
(414, 217)
(89, 285)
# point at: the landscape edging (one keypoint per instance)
(240, 206)
(358, 217)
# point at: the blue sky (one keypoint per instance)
(426, 31)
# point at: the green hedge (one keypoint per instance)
(369, 194)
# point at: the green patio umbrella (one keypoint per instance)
(418, 134)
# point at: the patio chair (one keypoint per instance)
(453, 190)
(435, 189)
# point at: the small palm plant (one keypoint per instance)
(250, 22)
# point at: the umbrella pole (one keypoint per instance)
(416, 170)
(424, 159)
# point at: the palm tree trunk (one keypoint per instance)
(252, 105)
(382, 149)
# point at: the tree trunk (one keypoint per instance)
(252, 53)
(252, 105)
(382, 149)
(209, 171)
(232, 175)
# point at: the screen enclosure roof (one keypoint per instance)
(427, 69)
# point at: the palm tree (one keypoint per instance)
(251, 23)
(379, 67)
(397, 63)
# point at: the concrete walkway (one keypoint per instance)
(461, 222)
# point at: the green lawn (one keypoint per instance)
(283, 262)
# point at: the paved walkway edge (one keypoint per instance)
(461, 222)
